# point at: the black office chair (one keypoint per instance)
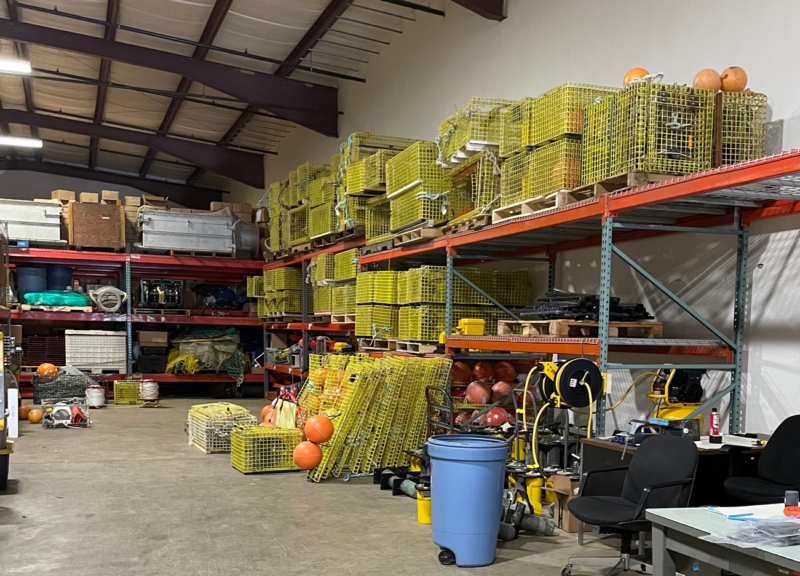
(778, 468)
(660, 475)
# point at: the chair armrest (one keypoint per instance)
(606, 482)
(640, 507)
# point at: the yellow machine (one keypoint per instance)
(676, 393)
(466, 327)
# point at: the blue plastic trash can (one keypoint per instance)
(467, 474)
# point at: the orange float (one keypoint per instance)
(707, 79)
(478, 393)
(318, 429)
(24, 411)
(633, 75)
(35, 416)
(47, 369)
(733, 79)
(307, 455)
(483, 372)
(460, 372)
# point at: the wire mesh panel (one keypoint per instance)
(323, 298)
(344, 299)
(264, 448)
(426, 284)
(376, 321)
(346, 265)
(351, 211)
(368, 176)
(515, 127)
(477, 184)
(420, 206)
(298, 225)
(334, 163)
(596, 142)
(311, 171)
(289, 197)
(402, 288)
(665, 129)
(515, 179)
(474, 127)
(555, 166)
(378, 220)
(255, 286)
(365, 282)
(512, 287)
(359, 145)
(281, 302)
(210, 425)
(322, 220)
(283, 279)
(322, 267)
(559, 111)
(423, 323)
(321, 190)
(416, 165)
(742, 133)
(276, 240)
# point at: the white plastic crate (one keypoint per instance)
(96, 350)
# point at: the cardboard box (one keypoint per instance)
(90, 198)
(257, 370)
(219, 206)
(261, 215)
(244, 216)
(241, 207)
(566, 489)
(63, 195)
(109, 197)
(151, 338)
(133, 201)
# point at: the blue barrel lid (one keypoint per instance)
(468, 447)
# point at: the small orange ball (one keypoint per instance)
(24, 411)
(47, 369)
(318, 429)
(35, 416)
(307, 455)
(634, 74)
(265, 411)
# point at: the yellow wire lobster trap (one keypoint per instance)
(283, 279)
(323, 299)
(345, 265)
(663, 129)
(322, 220)
(210, 425)
(322, 267)
(741, 135)
(359, 145)
(596, 142)
(377, 220)
(281, 302)
(368, 176)
(555, 166)
(297, 225)
(515, 127)
(126, 393)
(321, 190)
(351, 211)
(377, 287)
(421, 323)
(376, 321)
(559, 112)
(257, 449)
(255, 286)
(365, 282)
(290, 195)
(477, 182)
(475, 127)
(344, 299)
(416, 165)
(421, 206)
(515, 178)
(312, 170)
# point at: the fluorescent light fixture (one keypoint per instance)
(13, 66)
(20, 142)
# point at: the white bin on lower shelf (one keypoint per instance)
(96, 351)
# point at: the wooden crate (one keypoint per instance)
(96, 226)
(578, 329)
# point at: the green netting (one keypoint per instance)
(56, 298)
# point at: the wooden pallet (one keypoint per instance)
(293, 250)
(321, 317)
(35, 308)
(416, 347)
(578, 329)
(468, 225)
(377, 345)
(377, 247)
(417, 235)
(337, 237)
(199, 254)
(533, 205)
(343, 318)
(619, 182)
(163, 311)
(280, 318)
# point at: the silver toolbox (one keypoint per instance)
(38, 222)
(163, 231)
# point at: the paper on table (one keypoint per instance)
(749, 513)
(728, 439)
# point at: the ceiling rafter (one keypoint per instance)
(309, 40)
(22, 51)
(112, 17)
(213, 25)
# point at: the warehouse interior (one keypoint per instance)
(375, 270)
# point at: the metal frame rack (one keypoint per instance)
(126, 267)
(722, 201)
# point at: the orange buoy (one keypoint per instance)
(266, 410)
(496, 417)
(500, 390)
(24, 411)
(35, 416)
(483, 371)
(318, 429)
(707, 79)
(460, 372)
(307, 455)
(505, 371)
(634, 74)
(478, 393)
(733, 79)
(47, 369)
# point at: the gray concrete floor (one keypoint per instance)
(129, 496)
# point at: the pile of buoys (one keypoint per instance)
(317, 430)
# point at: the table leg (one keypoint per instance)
(663, 561)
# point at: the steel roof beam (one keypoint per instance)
(190, 196)
(22, 52)
(213, 25)
(489, 9)
(112, 16)
(245, 167)
(310, 105)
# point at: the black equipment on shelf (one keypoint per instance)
(160, 293)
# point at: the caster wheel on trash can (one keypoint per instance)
(446, 557)
(567, 570)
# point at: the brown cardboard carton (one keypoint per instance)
(109, 197)
(566, 489)
(90, 198)
(244, 216)
(219, 206)
(133, 201)
(63, 195)
(151, 338)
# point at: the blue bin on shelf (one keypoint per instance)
(467, 477)
(31, 278)
(59, 277)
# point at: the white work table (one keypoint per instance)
(678, 530)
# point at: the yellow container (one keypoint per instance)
(472, 326)
(423, 508)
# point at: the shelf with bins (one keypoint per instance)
(201, 377)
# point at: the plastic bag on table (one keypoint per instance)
(767, 532)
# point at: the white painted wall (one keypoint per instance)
(437, 64)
